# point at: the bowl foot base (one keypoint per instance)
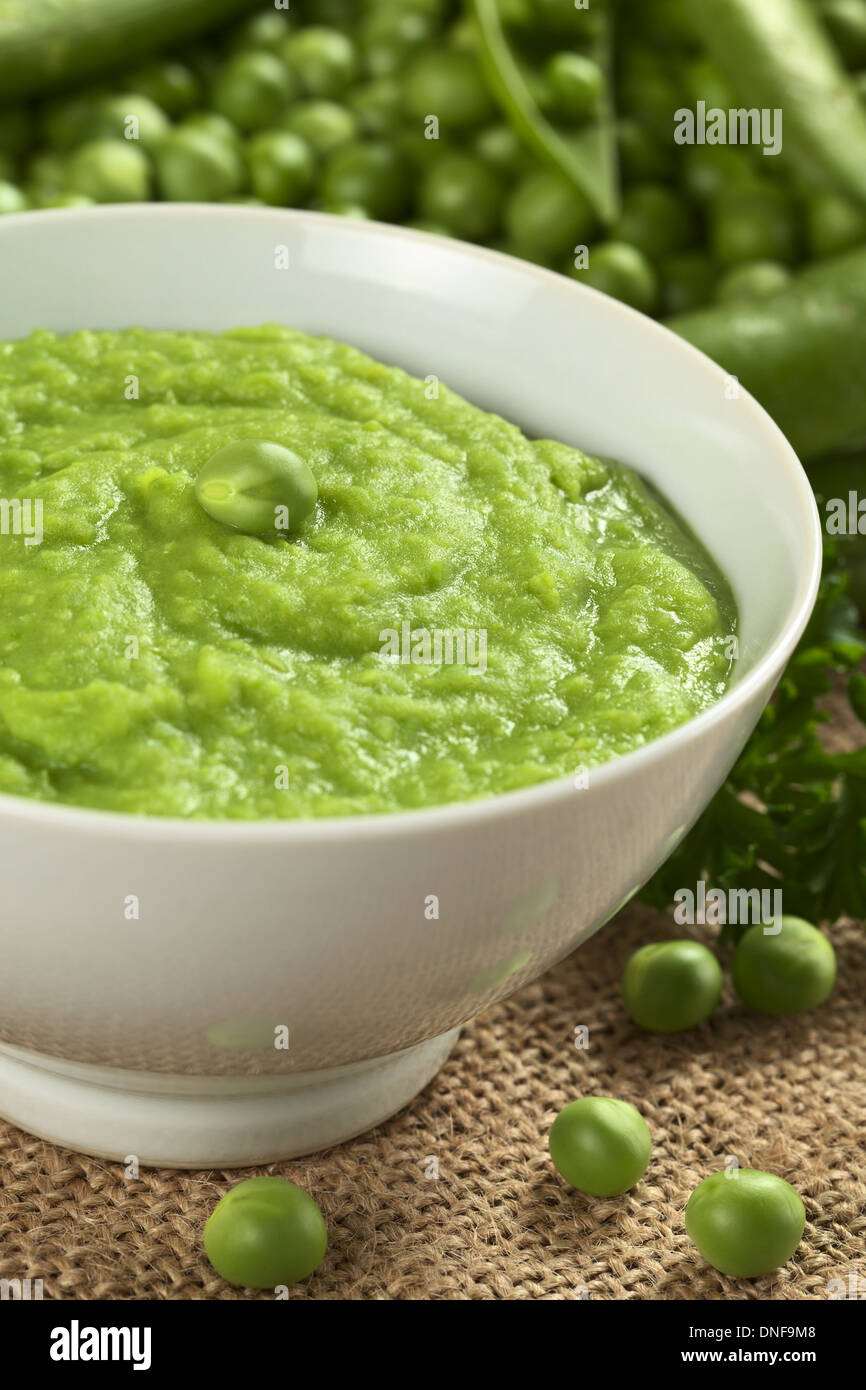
(208, 1122)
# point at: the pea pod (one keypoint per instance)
(800, 352)
(776, 54)
(47, 43)
(588, 157)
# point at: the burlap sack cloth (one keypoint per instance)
(785, 1095)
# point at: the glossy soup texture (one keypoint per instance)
(154, 660)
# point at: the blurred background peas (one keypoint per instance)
(377, 106)
(751, 223)
(448, 84)
(688, 281)
(330, 106)
(170, 85)
(113, 116)
(322, 124)
(325, 60)
(576, 84)
(655, 219)
(281, 167)
(253, 89)
(545, 216)
(463, 194)
(368, 174)
(109, 171)
(621, 270)
(388, 34)
(193, 164)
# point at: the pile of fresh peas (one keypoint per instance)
(267, 1233)
(329, 107)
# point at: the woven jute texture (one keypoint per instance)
(497, 1222)
(455, 1197)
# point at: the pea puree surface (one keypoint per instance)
(153, 660)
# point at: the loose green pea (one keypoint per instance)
(388, 35)
(170, 85)
(262, 32)
(265, 1232)
(281, 167)
(324, 59)
(110, 171)
(129, 116)
(12, 199)
(754, 223)
(655, 220)
(371, 173)
(546, 216)
(755, 280)
(252, 90)
(834, 225)
(323, 124)
(501, 147)
(621, 270)
(377, 105)
(600, 1145)
(219, 126)
(577, 84)
(784, 973)
(257, 487)
(194, 165)
(447, 83)
(462, 194)
(745, 1222)
(670, 986)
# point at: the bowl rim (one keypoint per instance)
(502, 805)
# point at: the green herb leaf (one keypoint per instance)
(791, 815)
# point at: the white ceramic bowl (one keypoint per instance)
(154, 1036)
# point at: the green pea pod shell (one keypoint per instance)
(777, 55)
(55, 43)
(801, 353)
